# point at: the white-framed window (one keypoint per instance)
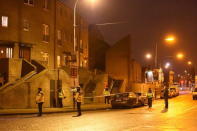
(4, 21)
(9, 52)
(29, 2)
(45, 30)
(26, 25)
(46, 4)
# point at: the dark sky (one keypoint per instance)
(148, 21)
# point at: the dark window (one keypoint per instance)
(29, 2)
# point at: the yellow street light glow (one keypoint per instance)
(170, 39)
(148, 56)
(189, 62)
(180, 55)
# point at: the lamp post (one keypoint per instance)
(169, 40)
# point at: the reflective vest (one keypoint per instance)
(78, 97)
(40, 97)
(106, 93)
(150, 95)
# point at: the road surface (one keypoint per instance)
(181, 116)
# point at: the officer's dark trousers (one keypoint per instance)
(166, 103)
(40, 109)
(149, 102)
(107, 98)
(60, 102)
(79, 108)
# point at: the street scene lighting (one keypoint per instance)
(167, 65)
(74, 65)
(180, 56)
(189, 63)
(170, 39)
(148, 56)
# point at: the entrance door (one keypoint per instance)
(25, 53)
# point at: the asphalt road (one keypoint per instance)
(181, 116)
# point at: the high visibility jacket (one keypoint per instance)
(150, 95)
(106, 93)
(61, 94)
(78, 97)
(40, 97)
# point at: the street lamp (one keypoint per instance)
(167, 65)
(180, 56)
(189, 63)
(76, 53)
(148, 56)
(169, 39)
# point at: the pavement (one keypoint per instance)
(181, 116)
(85, 107)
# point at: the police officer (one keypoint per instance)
(61, 97)
(78, 99)
(40, 100)
(166, 96)
(150, 97)
(106, 94)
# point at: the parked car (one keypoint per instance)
(129, 99)
(194, 94)
(172, 91)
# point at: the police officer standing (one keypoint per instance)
(78, 99)
(40, 100)
(150, 98)
(61, 96)
(166, 97)
(106, 94)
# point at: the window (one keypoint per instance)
(26, 25)
(45, 33)
(59, 37)
(45, 4)
(58, 61)
(29, 2)
(4, 21)
(8, 52)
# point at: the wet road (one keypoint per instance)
(181, 116)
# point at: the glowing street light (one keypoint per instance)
(148, 56)
(170, 39)
(189, 63)
(180, 55)
(167, 65)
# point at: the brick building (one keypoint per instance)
(123, 70)
(36, 48)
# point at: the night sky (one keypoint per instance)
(148, 22)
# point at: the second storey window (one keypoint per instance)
(59, 37)
(26, 25)
(45, 33)
(4, 21)
(29, 2)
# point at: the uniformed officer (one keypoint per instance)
(78, 99)
(106, 94)
(150, 97)
(40, 100)
(166, 97)
(61, 96)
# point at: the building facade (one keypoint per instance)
(37, 37)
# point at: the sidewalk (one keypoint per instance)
(85, 107)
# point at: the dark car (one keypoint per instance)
(129, 99)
